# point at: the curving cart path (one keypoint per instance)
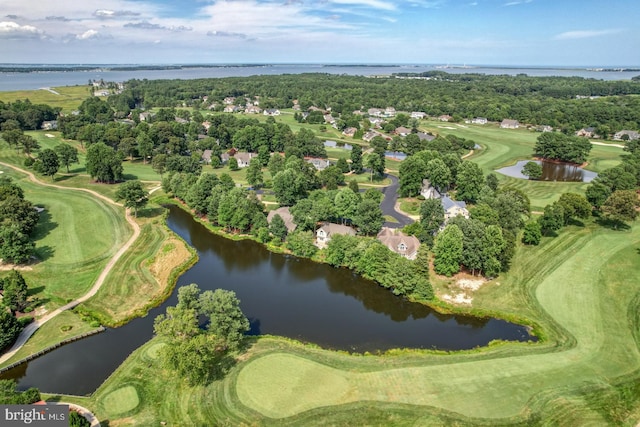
(28, 331)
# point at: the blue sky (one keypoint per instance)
(489, 32)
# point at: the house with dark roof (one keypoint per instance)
(589, 132)
(453, 208)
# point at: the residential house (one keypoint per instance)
(402, 131)
(330, 144)
(324, 233)
(229, 109)
(50, 125)
(349, 132)
(425, 136)
(314, 108)
(544, 128)
(445, 118)
(206, 125)
(389, 112)
(370, 135)
(376, 121)
(181, 120)
(318, 163)
(631, 135)
(479, 121)
(509, 124)
(146, 116)
(229, 100)
(400, 243)
(102, 92)
(328, 118)
(418, 115)
(429, 192)
(286, 216)
(206, 156)
(453, 208)
(589, 132)
(271, 112)
(244, 159)
(253, 109)
(375, 112)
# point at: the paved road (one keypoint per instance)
(389, 202)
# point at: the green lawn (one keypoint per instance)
(71, 251)
(68, 98)
(580, 287)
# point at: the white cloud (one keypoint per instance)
(12, 30)
(586, 34)
(517, 2)
(375, 4)
(108, 14)
(89, 34)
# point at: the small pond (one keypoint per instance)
(565, 172)
(281, 295)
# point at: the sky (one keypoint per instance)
(456, 32)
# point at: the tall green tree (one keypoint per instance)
(552, 219)
(346, 203)
(133, 194)
(356, 159)
(226, 320)
(49, 162)
(447, 251)
(15, 246)
(15, 291)
(67, 155)
(368, 217)
(532, 170)
(278, 227)
(254, 174)
(469, 181)
(103, 163)
(620, 207)
(431, 217)
(411, 173)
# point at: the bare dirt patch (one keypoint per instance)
(461, 293)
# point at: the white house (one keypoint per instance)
(631, 135)
(509, 124)
(479, 121)
(418, 115)
(324, 233)
(453, 208)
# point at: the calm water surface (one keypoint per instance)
(25, 81)
(281, 295)
(551, 172)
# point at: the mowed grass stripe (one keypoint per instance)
(573, 293)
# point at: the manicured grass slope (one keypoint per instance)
(68, 98)
(69, 244)
(582, 288)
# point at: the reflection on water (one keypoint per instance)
(565, 172)
(281, 295)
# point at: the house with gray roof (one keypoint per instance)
(328, 230)
(631, 135)
(318, 163)
(425, 136)
(509, 124)
(286, 216)
(453, 208)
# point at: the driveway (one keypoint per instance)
(389, 202)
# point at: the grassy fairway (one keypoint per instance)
(581, 287)
(68, 98)
(143, 276)
(71, 250)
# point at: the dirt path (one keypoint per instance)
(33, 326)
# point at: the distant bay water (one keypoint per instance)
(10, 81)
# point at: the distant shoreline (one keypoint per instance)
(40, 68)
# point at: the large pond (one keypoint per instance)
(281, 295)
(551, 172)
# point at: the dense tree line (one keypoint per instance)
(18, 219)
(535, 100)
(24, 115)
(565, 148)
(14, 298)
